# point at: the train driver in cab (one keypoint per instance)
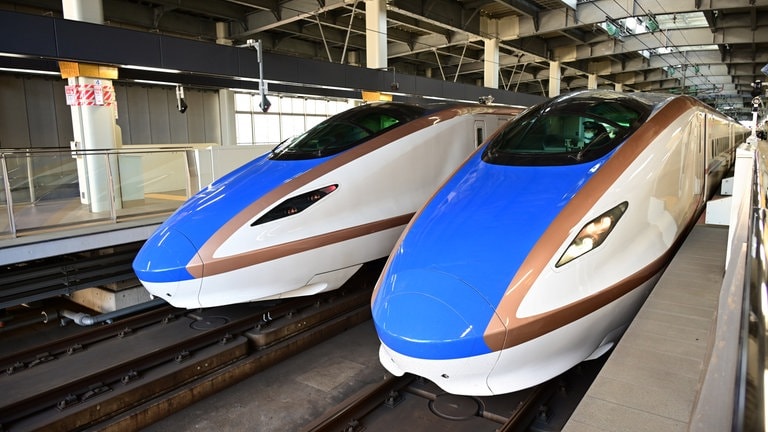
(592, 130)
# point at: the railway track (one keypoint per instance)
(416, 404)
(128, 374)
(46, 278)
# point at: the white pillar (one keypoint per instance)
(227, 117)
(376, 34)
(94, 129)
(554, 78)
(226, 96)
(83, 10)
(222, 33)
(491, 63)
(93, 120)
(592, 81)
(619, 87)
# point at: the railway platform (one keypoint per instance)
(652, 379)
(694, 356)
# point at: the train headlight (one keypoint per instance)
(593, 234)
(295, 205)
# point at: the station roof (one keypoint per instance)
(714, 50)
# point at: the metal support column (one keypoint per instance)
(592, 81)
(555, 76)
(93, 117)
(491, 63)
(376, 34)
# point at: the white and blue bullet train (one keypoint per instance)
(303, 218)
(537, 253)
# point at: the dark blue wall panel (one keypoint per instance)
(212, 65)
(101, 44)
(27, 34)
(200, 57)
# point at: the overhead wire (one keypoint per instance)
(595, 4)
(424, 46)
(645, 12)
(688, 43)
(726, 101)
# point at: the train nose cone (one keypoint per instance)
(431, 315)
(161, 264)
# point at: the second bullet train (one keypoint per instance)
(537, 253)
(303, 218)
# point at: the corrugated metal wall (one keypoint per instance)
(34, 114)
(148, 115)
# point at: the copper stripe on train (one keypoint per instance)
(515, 331)
(225, 264)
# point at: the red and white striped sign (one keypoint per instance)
(90, 95)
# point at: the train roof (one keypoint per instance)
(358, 125)
(656, 100)
(651, 99)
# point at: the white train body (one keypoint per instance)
(513, 311)
(222, 255)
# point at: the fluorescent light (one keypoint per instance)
(150, 69)
(30, 71)
(155, 82)
(4, 54)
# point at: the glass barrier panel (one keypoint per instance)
(57, 189)
(151, 182)
(53, 197)
(54, 177)
(18, 166)
(6, 229)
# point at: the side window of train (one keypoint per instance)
(341, 135)
(573, 133)
(378, 122)
(596, 133)
(479, 132)
(346, 130)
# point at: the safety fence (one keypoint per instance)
(57, 189)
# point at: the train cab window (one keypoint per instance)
(567, 132)
(346, 130)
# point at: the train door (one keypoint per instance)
(479, 131)
(700, 140)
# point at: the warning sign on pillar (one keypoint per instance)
(90, 95)
(98, 93)
(71, 93)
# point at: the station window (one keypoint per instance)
(288, 116)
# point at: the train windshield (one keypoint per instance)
(569, 131)
(346, 130)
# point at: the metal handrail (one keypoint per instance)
(8, 196)
(750, 402)
(15, 151)
(111, 189)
